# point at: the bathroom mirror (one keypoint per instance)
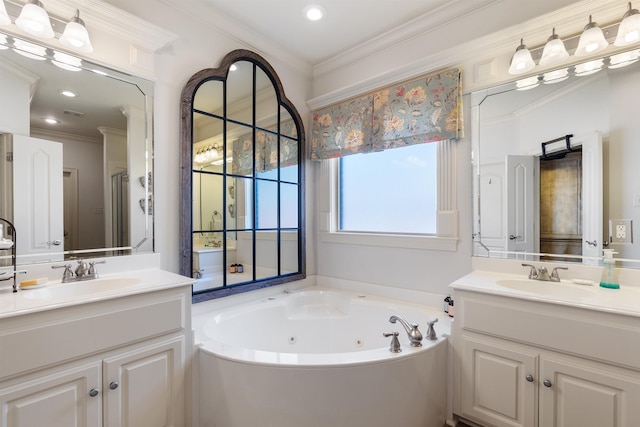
(96, 198)
(537, 196)
(242, 179)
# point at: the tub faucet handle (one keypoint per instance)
(431, 332)
(394, 347)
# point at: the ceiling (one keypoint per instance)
(350, 24)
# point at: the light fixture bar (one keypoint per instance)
(571, 42)
(58, 24)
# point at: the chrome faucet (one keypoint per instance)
(543, 274)
(83, 271)
(415, 336)
(394, 347)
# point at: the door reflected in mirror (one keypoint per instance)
(242, 143)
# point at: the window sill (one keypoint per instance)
(392, 240)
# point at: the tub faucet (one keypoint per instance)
(415, 336)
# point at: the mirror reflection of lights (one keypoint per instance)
(67, 93)
(528, 83)
(233, 67)
(623, 59)
(51, 120)
(556, 76)
(29, 50)
(206, 155)
(588, 68)
(66, 62)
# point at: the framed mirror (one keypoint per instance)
(76, 165)
(555, 163)
(242, 179)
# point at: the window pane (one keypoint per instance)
(288, 205)
(392, 191)
(267, 205)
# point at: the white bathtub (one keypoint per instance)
(318, 358)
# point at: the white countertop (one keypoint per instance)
(625, 300)
(108, 286)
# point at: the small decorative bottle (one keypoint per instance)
(451, 310)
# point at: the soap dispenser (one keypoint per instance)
(609, 277)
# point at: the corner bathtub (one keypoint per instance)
(318, 358)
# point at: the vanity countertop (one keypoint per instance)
(55, 295)
(625, 300)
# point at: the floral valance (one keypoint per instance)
(266, 154)
(418, 111)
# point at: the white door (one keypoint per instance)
(63, 399)
(592, 233)
(38, 199)
(520, 204)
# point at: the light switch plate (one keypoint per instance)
(621, 231)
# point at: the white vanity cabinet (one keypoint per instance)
(531, 363)
(118, 362)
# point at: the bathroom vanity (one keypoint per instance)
(531, 353)
(106, 352)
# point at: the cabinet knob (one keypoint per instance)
(547, 383)
(529, 378)
(113, 385)
(94, 392)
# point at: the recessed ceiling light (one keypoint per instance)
(51, 120)
(314, 12)
(67, 93)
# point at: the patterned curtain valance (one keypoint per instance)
(421, 110)
(266, 154)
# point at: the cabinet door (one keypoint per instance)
(144, 386)
(499, 383)
(61, 399)
(575, 393)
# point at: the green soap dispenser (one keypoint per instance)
(609, 277)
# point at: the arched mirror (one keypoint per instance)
(242, 179)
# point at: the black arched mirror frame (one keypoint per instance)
(225, 281)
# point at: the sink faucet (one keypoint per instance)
(83, 271)
(415, 336)
(543, 274)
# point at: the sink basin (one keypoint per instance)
(559, 289)
(80, 288)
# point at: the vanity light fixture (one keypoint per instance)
(629, 29)
(592, 40)
(554, 51)
(76, 36)
(34, 20)
(4, 16)
(314, 12)
(521, 62)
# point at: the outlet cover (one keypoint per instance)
(621, 231)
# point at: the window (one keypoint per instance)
(391, 191)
